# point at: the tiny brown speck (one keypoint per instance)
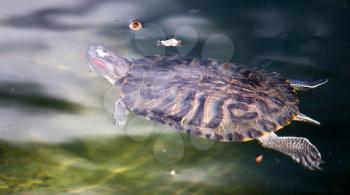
(135, 25)
(259, 158)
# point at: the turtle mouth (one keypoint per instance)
(90, 55)
(99, 59)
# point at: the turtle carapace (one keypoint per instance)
(210, 99)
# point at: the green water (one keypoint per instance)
(56, 130)
(119, 165)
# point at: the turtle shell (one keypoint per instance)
(220, 101)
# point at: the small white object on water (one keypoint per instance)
(172, 172)
(169, 43)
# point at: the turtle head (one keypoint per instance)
(107, 63)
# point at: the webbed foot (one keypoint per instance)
(121, 113)
(298, 148)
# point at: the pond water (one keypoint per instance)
(56, 128)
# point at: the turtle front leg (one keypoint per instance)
(121, 113)
(299, 148)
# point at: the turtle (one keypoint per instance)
(220, 101)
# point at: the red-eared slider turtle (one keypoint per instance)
(206, 98)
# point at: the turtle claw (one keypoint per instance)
(120, 124)
(115, 123)
(309, 157)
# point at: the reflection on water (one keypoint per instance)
(120, 165)
(56, 128)
(108, 165)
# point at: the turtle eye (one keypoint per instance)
(102, 52)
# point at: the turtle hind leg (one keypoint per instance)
(121, 113)
(298, 148)
(306, 85)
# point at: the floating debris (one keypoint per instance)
(170, 43)
(259, 158)
(135, 25)
(172, 172)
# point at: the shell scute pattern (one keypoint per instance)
(219, 101)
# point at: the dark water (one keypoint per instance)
(56, 127)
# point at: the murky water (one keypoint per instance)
(56, 128)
